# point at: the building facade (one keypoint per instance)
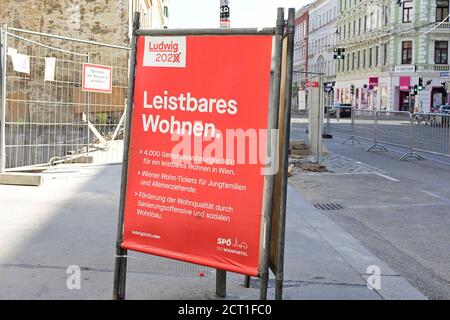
(300, 57)
(154, 13)
(322, 39)
(389, 46)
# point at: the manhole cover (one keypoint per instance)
(328, 206)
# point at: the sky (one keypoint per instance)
(244, 13)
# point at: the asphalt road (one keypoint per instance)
(402, 214)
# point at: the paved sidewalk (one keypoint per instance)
(71, 220)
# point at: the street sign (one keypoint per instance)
(224, 14)
(97, 78)
(405, 69)
(194, 189)
(312, 84)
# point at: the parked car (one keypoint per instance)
(444, 109)
(342, 110)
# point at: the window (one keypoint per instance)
(385, 54)
(407, 11)
(376, 56)
(359, 59)
(359, 26)
(441, 52)
(353, 61)
(166, 11)
(354, 27)
(406, 52)
(441, 10)
(364, 58)
(386, 19)
(370, 57)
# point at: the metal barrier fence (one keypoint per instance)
(432, 133)
(46, 116)
(362, 123)
(419, 132)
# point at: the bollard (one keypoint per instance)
(221, 283)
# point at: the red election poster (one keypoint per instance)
(198, 143)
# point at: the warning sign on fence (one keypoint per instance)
(198, 144)
(97, 78)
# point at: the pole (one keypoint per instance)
(285, 154)
(221, 283)
(273, 126)
(88, 98)
(120, 268)
(247, 281)
(409, 101)
(224, 14)
(221, 275)
(3, 55)
(320, 120)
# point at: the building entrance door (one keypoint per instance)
(407, 101)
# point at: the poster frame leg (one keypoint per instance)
(290, 33)
(247, 282)
(273, 125)
(221, 283)
(120, 266)
(3, 79)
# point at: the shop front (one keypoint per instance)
(438, 97)
(406, 99)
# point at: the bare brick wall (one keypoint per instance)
(97, 20)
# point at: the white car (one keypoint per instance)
(445, 109)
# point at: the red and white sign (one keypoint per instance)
(97, 78)
(165, 52)
(404, 83)
(312, 84)
(373, 81)
(186, 200)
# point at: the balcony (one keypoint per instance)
(435, 67)
(445, 26)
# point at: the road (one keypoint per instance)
(401, 213)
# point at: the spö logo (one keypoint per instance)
(165, 52)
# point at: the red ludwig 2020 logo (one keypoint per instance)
(165, 52)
